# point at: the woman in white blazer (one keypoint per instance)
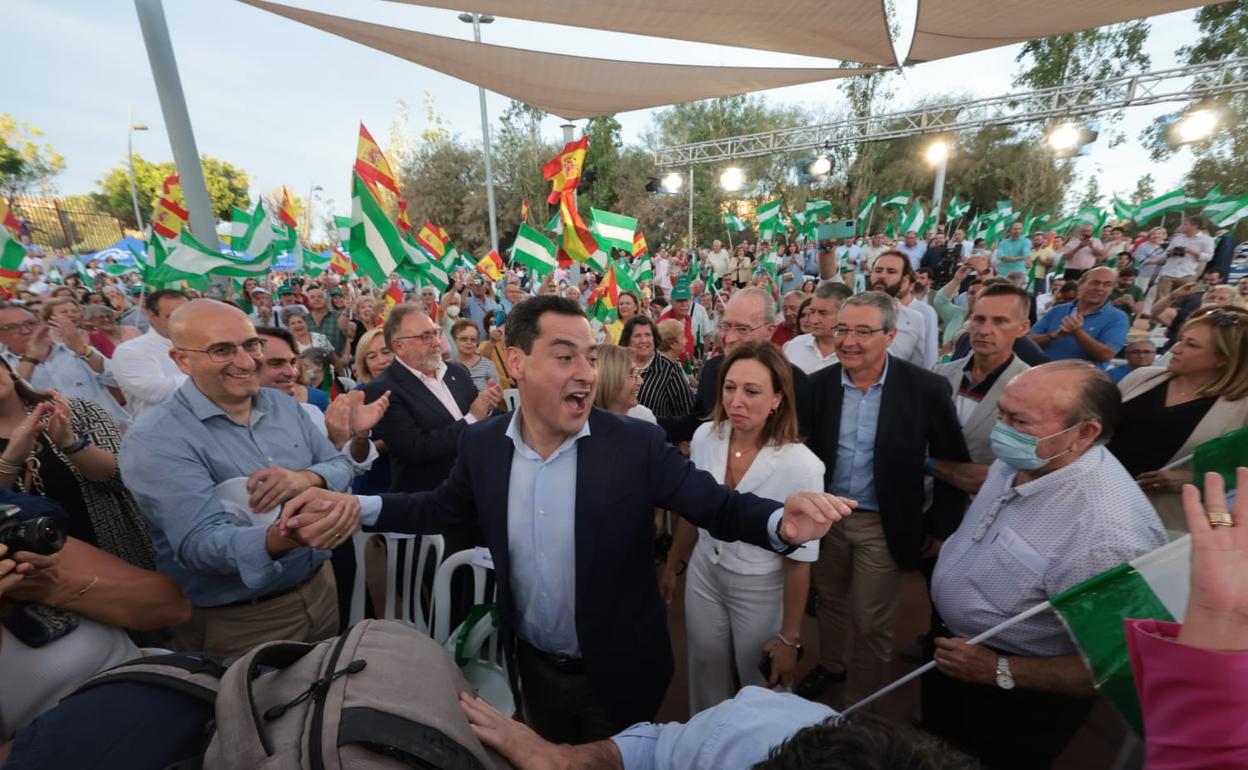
(744, 604)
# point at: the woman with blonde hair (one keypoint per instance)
(619, 383)
(672, 339)
(371, 356)
(629, 306)
(743, 603)
(1200, 394)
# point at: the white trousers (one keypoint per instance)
(728, 619)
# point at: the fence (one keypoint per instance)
(57, 224)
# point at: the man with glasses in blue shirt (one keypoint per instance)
(247, 582)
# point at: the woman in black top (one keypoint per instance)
(664, 389)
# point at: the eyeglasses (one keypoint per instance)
(465, 339)
(859, 332)
(740, 328)
(634, 372)
(223, 352)
(427, 338)
(26, 326)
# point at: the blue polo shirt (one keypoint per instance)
(1108, 326)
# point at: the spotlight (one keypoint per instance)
(937, 152)
(1064, 137)
(732, 179)
(820, 166)
(673, 181)
(1194, 126)
(1069, 139)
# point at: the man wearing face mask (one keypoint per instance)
(1055, 510)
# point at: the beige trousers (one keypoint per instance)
(857, 580)
(307, 614)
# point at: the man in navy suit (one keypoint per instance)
(565, 495)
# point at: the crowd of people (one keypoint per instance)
(769, 431)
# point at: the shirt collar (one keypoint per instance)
(437, 376)
(1059, 477)
(202, 407)
(848, 383)
(514, 433)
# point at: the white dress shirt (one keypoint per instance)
(437, 386)
(911, 343)
(64, 371)
(931, 341)
(145, 372)
(803, 352)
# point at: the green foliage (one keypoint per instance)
(598, 187)
(26, 163)
(227, 186)
(1080, 57)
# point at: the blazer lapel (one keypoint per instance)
(499, 452)
(987, 408)
(763, 468)
(418, 390)
(892, 399)
(593, 455)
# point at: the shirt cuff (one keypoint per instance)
(256, 567)
(470, 419)
(370, 509)
(773, 526)
(637, 745)
(365, 465)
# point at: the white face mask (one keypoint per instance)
(452, 311)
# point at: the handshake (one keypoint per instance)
(317, 518)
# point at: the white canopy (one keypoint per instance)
(568, 86)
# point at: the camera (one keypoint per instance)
(42, 535)
(1178, 251)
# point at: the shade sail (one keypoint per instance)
(855, 30)
(567, 86)
(952, 27)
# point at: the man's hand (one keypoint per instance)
(70, 334)
(969, 662)
(364, 417)
(42, 580)
(486, 401)
(667, 584)
(519, 745)
(272, 486)
(1217, 609)
(40, 345)
(1071, 324)
(338, 420)
(319, 518)
(9, 576)
(809, 515)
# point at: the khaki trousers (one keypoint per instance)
(857, 579)
(308, 613)
(1168, 283)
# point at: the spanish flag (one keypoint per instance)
(605, 298)
(431, 240)
(564, 170)
(371, 165)
(393, 296)
(7, 218)
(340, 263)
(404, 224)
(172, 188)
(639, 244)
(524, 210)
(285, 213)
(578, 241)
(169, 218)
(492, 266)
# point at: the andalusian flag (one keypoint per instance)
(186, 259)
(1152, 587)
(555, 225)
(864, 212)
(344, 230)
(639, 244)
(421, 268)
(768, 216)
(1227, 210)
(624, 279)
(818, 208)
(376, 245)
(491, 266)
(533, 249)
(1123, 211)
(804, 224)
(957, 209)
(644, 270)
(912, 219)
(313, 264)
(613, 231)
(11, 255)
(605, 299)
(733, 222)
(598, 261)
(578, 241)
(1091, 216)
(1175, 200)
(564, 170)
(897, 200)
(256, 231)
(371, 166)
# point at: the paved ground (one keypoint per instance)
(1094, 748)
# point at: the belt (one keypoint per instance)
(563, 663)
(269, 596)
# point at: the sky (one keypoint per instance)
(283, 101)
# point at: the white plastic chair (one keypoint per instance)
(416, 560)
(511, 396)
(487, 674)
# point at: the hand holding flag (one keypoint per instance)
(1217, 607)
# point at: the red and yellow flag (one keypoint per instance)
(564, 170)
(172, 188)
(432, 239)
(371, 165)
(403, 223)
(286, 213)
(169, 218)
(340, 263)
(639, 244)
(393, 296)
(578, 241)
(604, 300)
(492, 266)
(524, 210)
(8, 218)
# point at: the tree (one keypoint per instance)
(518, 154)
(227, 186)
(1082, 57)
(26, 163)
(1145, 190)
(598, 186)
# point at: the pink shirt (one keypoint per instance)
(439, 390)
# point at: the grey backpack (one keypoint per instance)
(380, 696)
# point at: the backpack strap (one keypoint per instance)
(237, 716)
(195, 674)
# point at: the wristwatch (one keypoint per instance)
(1005, 680)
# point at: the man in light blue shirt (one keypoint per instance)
(913, 248)
(1088, 329)
(1012, 251)
(248, 582)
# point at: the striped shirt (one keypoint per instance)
(664, 389)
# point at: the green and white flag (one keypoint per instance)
(1175, 200)
(768, 216)
(897, 200)
(864, 211)
(1151, 587)
(818, 208)
(311, 263)
(240, 222)
(912, 219)
(186, 259)
(421, 269)
(598, 262)
(804, 224)
(376, 245)
(555, 225)
(644, 270)
(733, 222)
(344, 230)
(1123, 211)
(257, 231)
(121, 269)
(1091, 216)
(613, 231)
(535, 250)
(957, 209)
(1227, 210)
(624, 280)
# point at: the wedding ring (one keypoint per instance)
(1220, 519)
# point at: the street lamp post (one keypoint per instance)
(476, 20)
(313, 189)
(134, 192)
(938, 155)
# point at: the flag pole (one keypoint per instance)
(921, 670)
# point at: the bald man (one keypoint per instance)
(247, 581)
(1090, 328)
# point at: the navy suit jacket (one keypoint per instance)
(624, 469)
(421, 434)
(917, 420)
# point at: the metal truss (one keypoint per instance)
(1182, 84)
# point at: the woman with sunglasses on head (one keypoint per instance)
(1200, 394)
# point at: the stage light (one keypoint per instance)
(1064, 137)
(673, 181)
(937, 152)
(1196, 126)
(732, 179)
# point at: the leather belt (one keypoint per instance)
(562, 663)
(269, 596)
